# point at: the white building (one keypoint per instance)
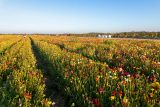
(109, 36)
(104, 36)
(99, 36)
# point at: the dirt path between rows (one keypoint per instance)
(52, 90)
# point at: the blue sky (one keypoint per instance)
(78, 16)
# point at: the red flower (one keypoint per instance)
(124, 104)
(125, 74)
(100, 70)
(113, 93)
(96, 102)
(136, 75)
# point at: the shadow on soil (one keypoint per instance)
(54, 90)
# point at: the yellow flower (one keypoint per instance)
(155, 85)
(152, 89)
(125, 100)
(114, 77)
(112, 97)
(145, 97)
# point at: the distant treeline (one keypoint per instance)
(143, 35)
(148, 35)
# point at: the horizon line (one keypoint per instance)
(84, 32)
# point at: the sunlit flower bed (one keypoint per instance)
(105, 73)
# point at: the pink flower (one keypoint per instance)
(101, 90)
(72, 72)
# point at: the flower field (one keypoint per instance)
(21, 83)
(88, 72)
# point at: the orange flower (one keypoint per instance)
(123, 82)
(120, 93)
(97, 79)
(28, 96)
(48, 102)
(151, 95)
